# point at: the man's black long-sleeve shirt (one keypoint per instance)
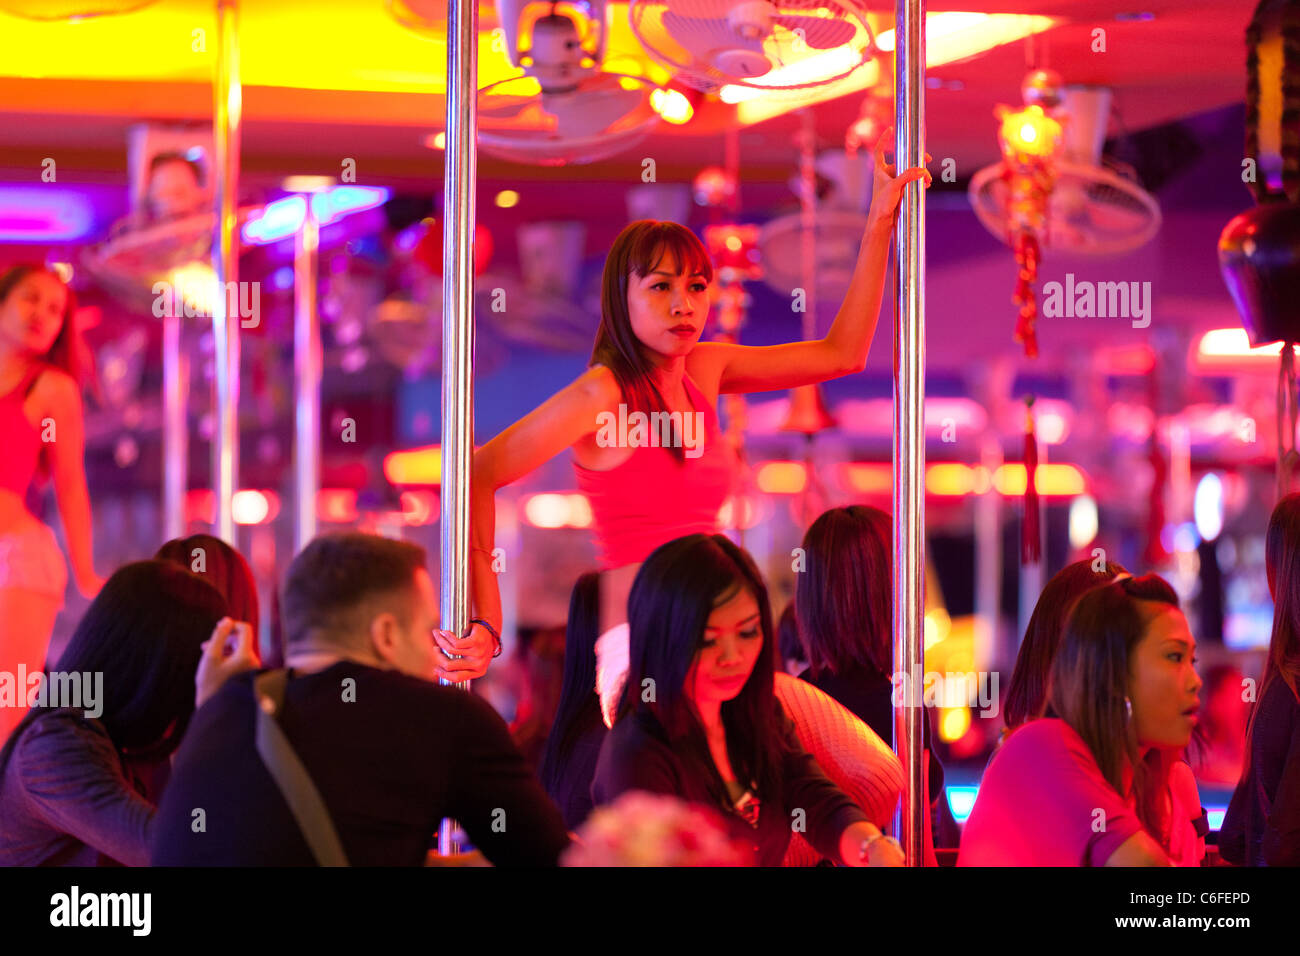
(391, 756)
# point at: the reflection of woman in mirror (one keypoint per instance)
(174, 190)
(175, 187)
(40, 430)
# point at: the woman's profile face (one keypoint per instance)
(667, 310)
(31, 316)
(1163, 684)
(732, 642)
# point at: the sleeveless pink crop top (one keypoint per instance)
(652, 497)
(20, 439)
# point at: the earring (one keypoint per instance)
(1128, 709)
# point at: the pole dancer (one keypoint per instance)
(42, 430)
(648, 361)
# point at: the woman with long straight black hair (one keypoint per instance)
(1262, 825)
(698, 718)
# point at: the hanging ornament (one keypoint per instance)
(428, 249)
(714, 186)
(1259, 250)
(1031, 539)
(1031, 141)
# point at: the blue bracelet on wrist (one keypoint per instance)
(491, 630)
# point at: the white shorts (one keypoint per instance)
(30, 560)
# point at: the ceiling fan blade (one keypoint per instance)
(704, 37)
(819, 33)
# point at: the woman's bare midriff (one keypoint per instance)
(615, 586)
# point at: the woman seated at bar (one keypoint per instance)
(1029, 693)
(1092, 786)
(698, 718)
(844, 605)
(78, 776)
(569, 760)
(1262, 825)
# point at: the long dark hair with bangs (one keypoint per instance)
(638, 249)
(67, 352)
(143, 632)
(674, 593)
(1090, 679)
(1027, 696)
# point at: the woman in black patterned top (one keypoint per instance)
(698, 718)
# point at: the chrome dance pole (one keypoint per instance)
(459, 185)
(306, 379)
(909, 420)
(227, 107)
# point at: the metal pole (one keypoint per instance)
(306, 378)
(227, 98)
(909, 417)
(988, 558)
(175, 438)
(458, 323)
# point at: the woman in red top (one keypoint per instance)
(648, 360)
(1096, 785)
(40, 427)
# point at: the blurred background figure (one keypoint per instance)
(568, 763)
(41, 432)
(539, 661)
(1219, 747)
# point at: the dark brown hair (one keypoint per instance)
(638, 249)
(162, 159)
(223, 567)
(1028, 693)
(67, 351)
(336, 575)
(1282, 562)
(844, 598)
(1090, 680)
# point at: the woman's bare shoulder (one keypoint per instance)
(598, 386)
(55, 389)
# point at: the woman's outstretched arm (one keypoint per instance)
(558, 423)
(741, 368)
(68, 469)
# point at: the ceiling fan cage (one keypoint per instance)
(771, 45)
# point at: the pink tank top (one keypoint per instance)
(653, 497)
(20, 439)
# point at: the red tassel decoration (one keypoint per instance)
(1027, 257)
(1030, 536)
(1154, 555)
